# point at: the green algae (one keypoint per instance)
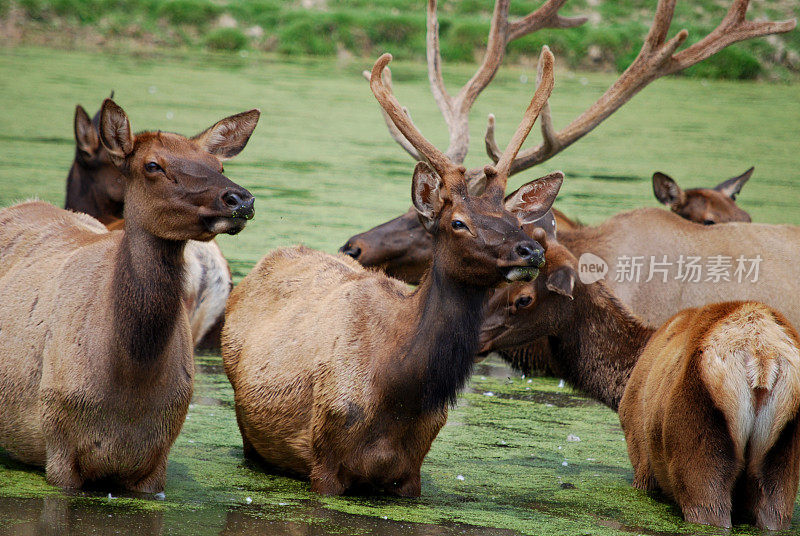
(320, 185)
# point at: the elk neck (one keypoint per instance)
(444, 319)
(598, 348)
(147, 287)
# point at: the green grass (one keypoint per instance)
(323, 168)
(363, 28)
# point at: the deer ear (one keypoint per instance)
(426, 194)
(562, 281)
(85, 134)
(226, 138)
(532, 200)
(733, 186)
(667, 190)
(115, 131)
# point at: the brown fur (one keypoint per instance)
(708, 403)
(95, 186)
(96, 375)
(703, 205)
(343, 375)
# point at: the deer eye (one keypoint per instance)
(523, 301)
(708, 222)
(152, 167)
(458, 224)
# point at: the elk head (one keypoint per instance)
(703, 205)
(521, 313)
(92, 160)
(400, 247)
(174, 186)
(477, 239)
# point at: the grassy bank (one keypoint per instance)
(609, 41)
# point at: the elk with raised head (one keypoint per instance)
(703, 205)
(708, 402)
(401, 247)
(342, 374)
(96, 187)
(97, 368)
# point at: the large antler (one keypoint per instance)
(498, 174)
(657, 58)
(455, 109)
(447, 170)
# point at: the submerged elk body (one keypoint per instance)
(708, 402)
(96, 187)
(344, 375)
(96, 375)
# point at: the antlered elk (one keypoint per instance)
(95, 186)
(708, 402)
(97, 368)
(400, 246)
(342, 374)
(703, 205)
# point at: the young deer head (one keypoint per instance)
(94, 185)
(477, 240)
(174, 186)
(521, 313)
(703, 205)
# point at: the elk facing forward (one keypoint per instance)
(342, 374)
(95, 186)
(96, 374)
(708, 403)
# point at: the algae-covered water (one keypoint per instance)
(323, 168)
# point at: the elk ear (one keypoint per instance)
(85, 134)
(532, 200)
(426, 194)
(226, 138)
(115, 131)
(562, 281)
(667, 190)
(732, 187)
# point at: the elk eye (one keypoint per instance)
(523, 301)
(708, 222)
(152, 167)
(458, 224)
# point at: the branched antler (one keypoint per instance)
(455, 109)
(657, 58)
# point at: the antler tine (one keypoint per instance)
(455, 108)
(492, 148)
(657, 58)
(393, 132)
(500, 171)
(389, 103)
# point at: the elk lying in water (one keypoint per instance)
(708, 402)
(401, 247)
(95, 186)
(96, 375)
(703, 205)
(342, 374)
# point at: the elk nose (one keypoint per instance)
(240, 202)
(350, 249)
(530, 252)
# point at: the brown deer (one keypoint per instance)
(97, 369)
(95, 186)
(401, 247)
(708, 402)
(703, 205)
(342, 374)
